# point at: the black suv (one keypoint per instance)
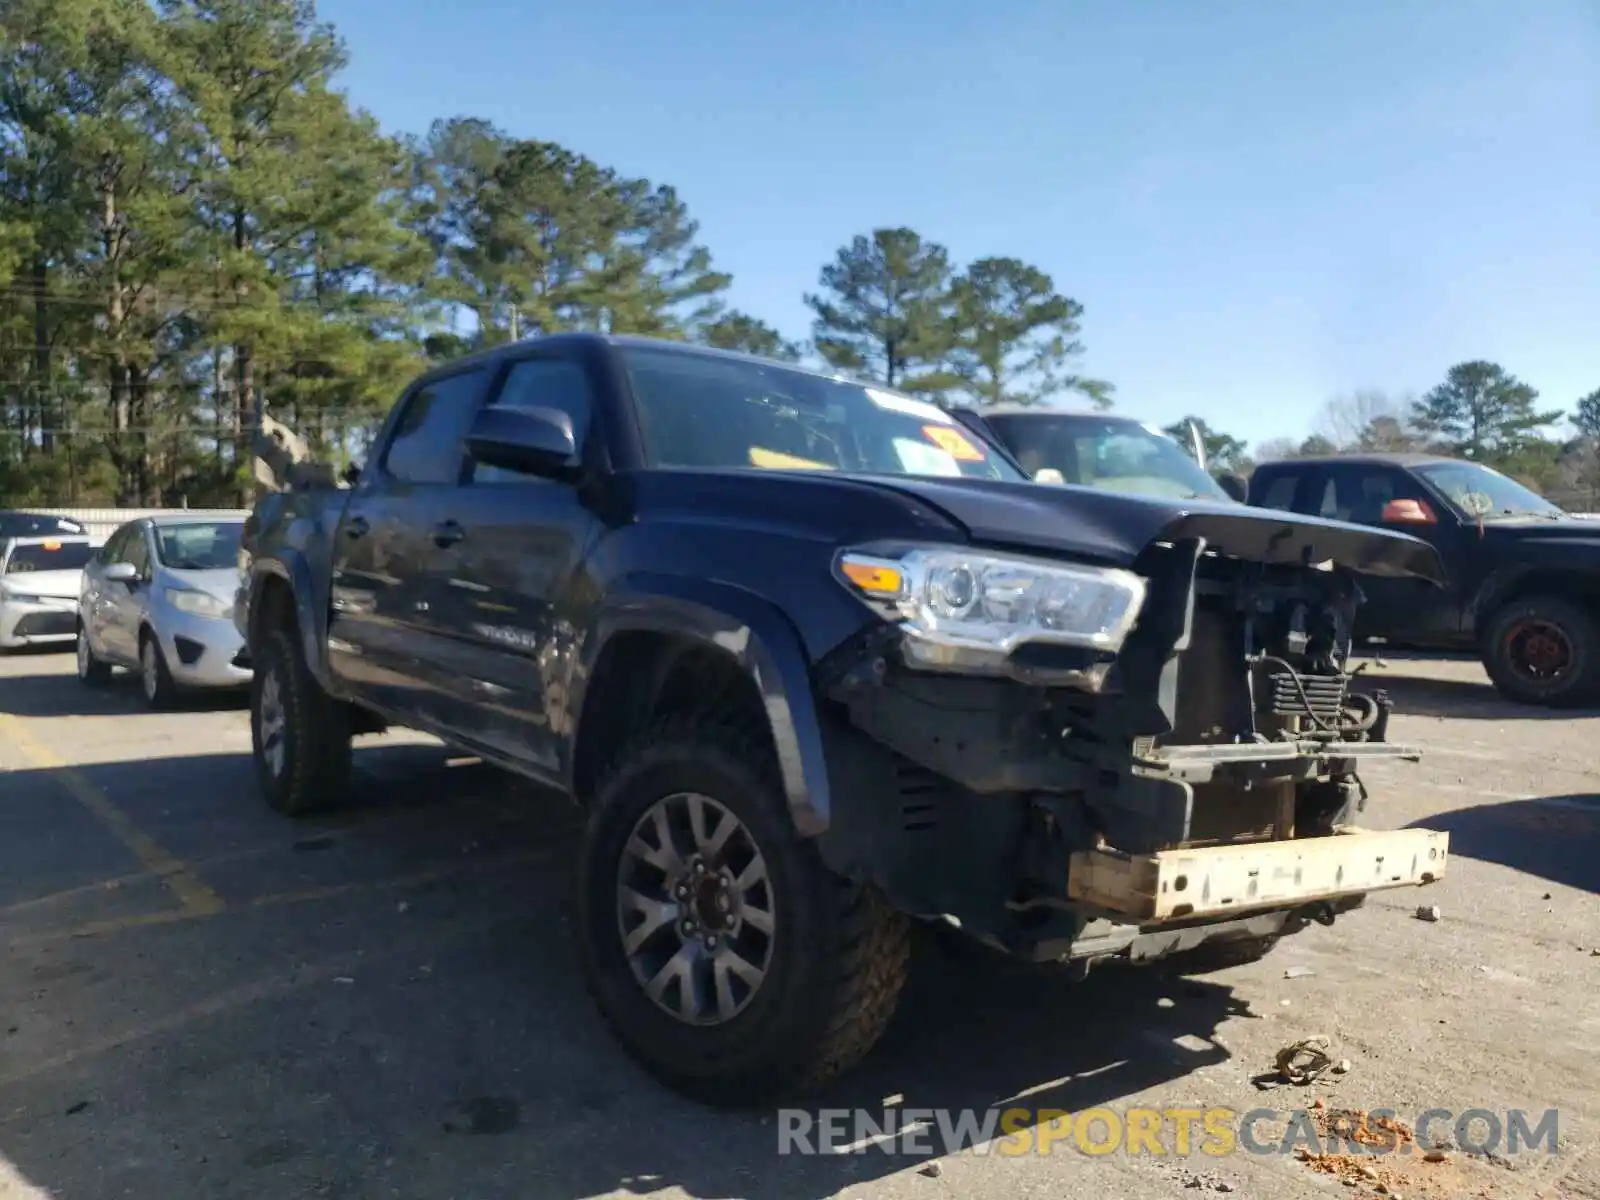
(1524, 576)
(820, 661)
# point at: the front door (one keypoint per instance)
(124, 602)
(1398, 610)
(380, 622)
(505, 565)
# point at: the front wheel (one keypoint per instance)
(299, 734)
(1542, 650)
(160, 692)
(729, 961)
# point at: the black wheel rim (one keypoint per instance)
(695, 909)
(1539, 651)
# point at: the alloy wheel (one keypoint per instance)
(271, 723)
(150, 669)
(695, 909)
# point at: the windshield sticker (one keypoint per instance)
(762, 457)
(953, 442)
(919, 458)
(912, 408)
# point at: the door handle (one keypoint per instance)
(356, 527)
(448, 533)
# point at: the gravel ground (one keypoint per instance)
(200, 999)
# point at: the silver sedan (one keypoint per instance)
(158, 599)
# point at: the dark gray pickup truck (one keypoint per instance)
(821, 662)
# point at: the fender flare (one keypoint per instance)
(760, 638)
(291, 568)
(1491, 592)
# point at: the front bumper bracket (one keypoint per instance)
(1174, 885)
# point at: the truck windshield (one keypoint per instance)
(49, 556)
(1480, 492)
(1105, 452)
(702, 410)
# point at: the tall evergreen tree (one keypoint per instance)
(884, 309)
(1482, 411)
(1014, 336)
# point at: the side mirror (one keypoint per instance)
(122, 572)
(1049, 475)
(1234, 485)
(1408, 512)
(536, 441)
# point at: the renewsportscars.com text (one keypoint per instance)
(1160, 1131)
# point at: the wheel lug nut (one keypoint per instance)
(682, 891)
(711, 943)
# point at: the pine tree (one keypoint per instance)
(884, 311)
(1014, 336)
(1482, 412)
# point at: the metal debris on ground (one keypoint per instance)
(1299, 973)
(1428, 912)
(932, 1170)
(1304, 1061)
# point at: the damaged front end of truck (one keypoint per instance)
(1166, 753)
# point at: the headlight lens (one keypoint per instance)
(20, 597)
(201, 604)
(972, 608)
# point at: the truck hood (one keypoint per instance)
(1541, 529)
(61, 584)
(1115, 527)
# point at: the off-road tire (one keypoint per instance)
(315, 775)
(91, 670)
(1580, 687)
(164, 695)
(840, 954)
(1218, 956)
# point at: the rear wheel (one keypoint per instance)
(729, 961)
(1543, 650)
(299, 734)
(90, 669)
(154, 678)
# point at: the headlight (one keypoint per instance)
(201, 604)
(20, 597)
(972, 608)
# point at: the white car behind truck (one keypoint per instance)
(39, 582)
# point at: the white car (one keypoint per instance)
(158, 599)
(39, 582)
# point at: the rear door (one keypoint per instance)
(505, 553)
(380, 623)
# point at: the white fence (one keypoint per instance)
(101, 523)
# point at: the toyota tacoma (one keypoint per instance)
(821, 662)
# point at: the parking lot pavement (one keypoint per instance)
(201, 999)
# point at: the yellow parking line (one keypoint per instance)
(196, 898)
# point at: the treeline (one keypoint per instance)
(1479, 411)
(194, 226)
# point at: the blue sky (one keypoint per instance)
(1259, 204)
